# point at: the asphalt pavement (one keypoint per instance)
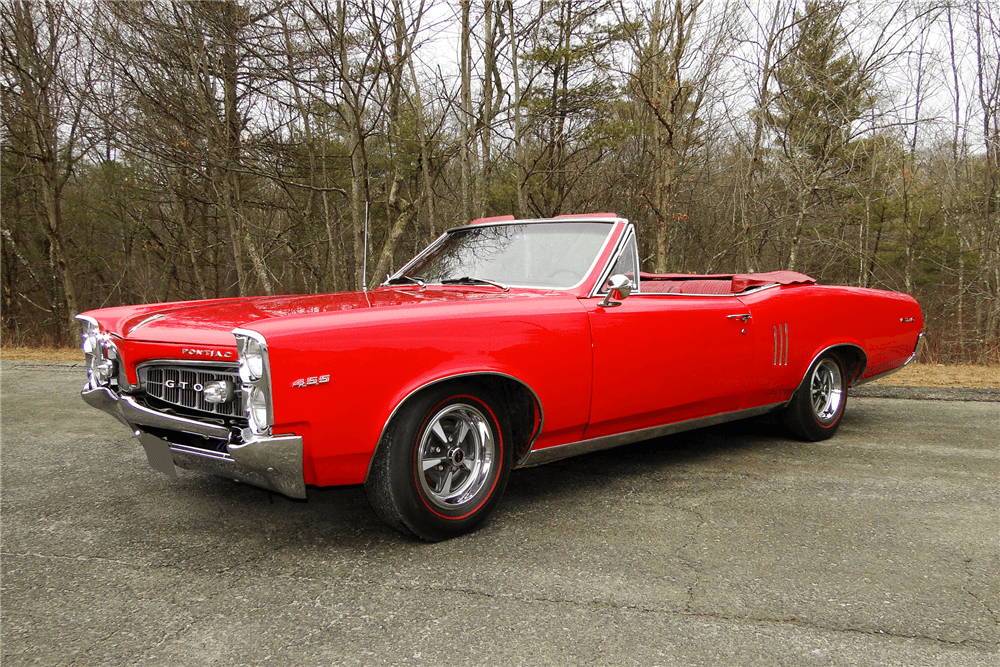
(732, 545)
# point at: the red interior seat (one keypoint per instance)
(696, 286)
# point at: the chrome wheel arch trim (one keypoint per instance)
(549, 454)
(458, 376)
(862, 363)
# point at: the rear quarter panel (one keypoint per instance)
(375, 358)
(885, 325)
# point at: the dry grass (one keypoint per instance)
(914, 375)
(8, 353)
(939, 375)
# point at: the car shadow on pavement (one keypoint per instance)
(341, 515)
(584, 474)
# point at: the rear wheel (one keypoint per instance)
(444, 463)
(818, 404)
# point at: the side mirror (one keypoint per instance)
(620, 287)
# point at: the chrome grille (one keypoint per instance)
(181, 385)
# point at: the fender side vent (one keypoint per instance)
(781, 344)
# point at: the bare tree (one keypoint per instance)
(400, 212)
(47, 79)
(754, 208)
(570, 97)
(190, 72)
(674, 64)
(985, 27)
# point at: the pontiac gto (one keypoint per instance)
(505, 343)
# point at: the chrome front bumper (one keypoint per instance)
(273, 462)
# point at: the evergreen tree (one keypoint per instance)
(823, 90)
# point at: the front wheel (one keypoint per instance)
(818, 404)
(444, 463)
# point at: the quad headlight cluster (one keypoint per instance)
(255, 380)
(100, 354)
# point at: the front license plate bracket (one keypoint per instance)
(158, 454)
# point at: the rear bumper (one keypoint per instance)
(273, 462)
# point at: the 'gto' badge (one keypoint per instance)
(208, 353)
(314, 380)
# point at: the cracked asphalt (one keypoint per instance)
(726, 546)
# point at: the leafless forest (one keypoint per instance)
(161, 151)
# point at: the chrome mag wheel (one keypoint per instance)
(815, 409)
(826, 390)
(455, 456)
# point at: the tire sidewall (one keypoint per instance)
(419, 513)
(802, 419)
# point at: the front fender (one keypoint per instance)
(376, 359)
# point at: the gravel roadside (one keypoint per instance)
(926, 393)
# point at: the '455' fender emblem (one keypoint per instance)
(310, 381)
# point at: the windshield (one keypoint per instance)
(549, 254)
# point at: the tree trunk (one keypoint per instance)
(53, 216)
(466, 116)
(796, 239)
(425, 152)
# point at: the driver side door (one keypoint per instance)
(666, 358)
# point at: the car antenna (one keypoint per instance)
(364, 262)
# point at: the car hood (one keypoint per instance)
(211, 322)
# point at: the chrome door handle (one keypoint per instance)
(743, 317)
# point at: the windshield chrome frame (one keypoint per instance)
(627, 233)
(610, 222)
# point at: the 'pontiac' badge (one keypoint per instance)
(218, 354)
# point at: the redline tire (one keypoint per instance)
(444, 464)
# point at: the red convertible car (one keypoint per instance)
(505, 343)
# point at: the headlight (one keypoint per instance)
(99, 352)
(90, 342)
(257, 409)
(89, 333)
(254, 359)
(255, 380)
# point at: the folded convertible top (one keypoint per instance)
(737, 282)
